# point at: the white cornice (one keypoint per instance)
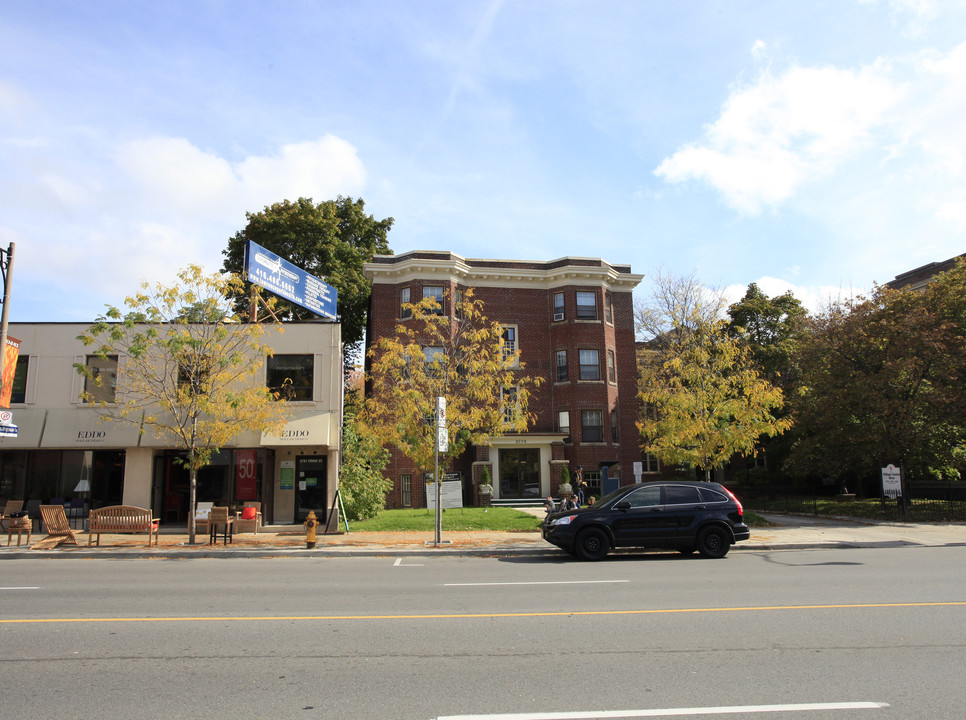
(457, 270)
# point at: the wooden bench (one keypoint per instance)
(122, 519)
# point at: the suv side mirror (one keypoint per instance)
(623, 506)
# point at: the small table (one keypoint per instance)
(19, 525)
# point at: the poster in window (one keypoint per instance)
(246, 474)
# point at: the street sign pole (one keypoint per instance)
(442, 445)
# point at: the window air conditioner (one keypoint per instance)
(557, 317)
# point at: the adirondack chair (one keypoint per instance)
(59, 531)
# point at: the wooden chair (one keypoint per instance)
(249, 524)
(58, 528)
(201, 516)
(219, 517)
(12, 506)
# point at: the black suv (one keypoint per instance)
(678, 514)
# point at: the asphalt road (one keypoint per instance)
(858, 633)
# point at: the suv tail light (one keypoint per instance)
(741, 510)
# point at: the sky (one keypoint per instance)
(817, 147)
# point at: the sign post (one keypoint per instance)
(442, 445)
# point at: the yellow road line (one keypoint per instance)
(471, 616)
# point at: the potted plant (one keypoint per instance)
(565, 487)
(486, 488)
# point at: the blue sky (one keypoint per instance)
(812, 146)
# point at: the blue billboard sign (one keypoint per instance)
(289, 282)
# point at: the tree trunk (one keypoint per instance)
(192, 484)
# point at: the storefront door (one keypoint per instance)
(519, 474)
(310, 487)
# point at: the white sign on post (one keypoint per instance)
(450, 495)
(891, 481)
(442, 435)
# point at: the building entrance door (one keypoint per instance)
(519, 474)
(310, 487)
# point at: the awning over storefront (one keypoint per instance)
(85, 428)
(311, 428)
(30, 427)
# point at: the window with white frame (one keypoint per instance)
(609, 307)
(405, 298)
(434, 359)
(509, 342)
(563, 421)
(435, 292)
(100, 384)
(511, 405)
(611, 367)
(591, 426)
(559, 312)
(650, 463)
(561, 366)
(586, 305)
(291, 376)
(589, 365)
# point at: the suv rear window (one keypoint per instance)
(709, 495)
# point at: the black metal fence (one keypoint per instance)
(925, 503)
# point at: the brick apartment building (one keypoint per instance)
(572, 320)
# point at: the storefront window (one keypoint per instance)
(291, 376)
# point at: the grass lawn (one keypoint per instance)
(499, 519)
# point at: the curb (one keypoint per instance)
(373, 551)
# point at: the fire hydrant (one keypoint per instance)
(311, 523)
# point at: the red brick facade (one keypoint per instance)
(525, 295)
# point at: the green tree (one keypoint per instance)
(704, 399)
(331, 240)
(881, 382)
(186, 368)
(770, 327)
(362, 485)
(461, 357)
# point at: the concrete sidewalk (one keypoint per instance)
(788, 533)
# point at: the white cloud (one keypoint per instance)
(155, 204)
(784, 131)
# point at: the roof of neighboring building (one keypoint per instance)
(920, 277)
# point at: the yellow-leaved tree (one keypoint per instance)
(187, 368)
(462, 357)
(704, 398)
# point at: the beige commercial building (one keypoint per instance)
(65, 452)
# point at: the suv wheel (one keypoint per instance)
(713, 542)
(592, 544)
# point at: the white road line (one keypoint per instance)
(548, 582)
(20, 588)
(399, 563)
(672, 712)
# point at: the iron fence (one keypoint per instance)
(924, 503)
